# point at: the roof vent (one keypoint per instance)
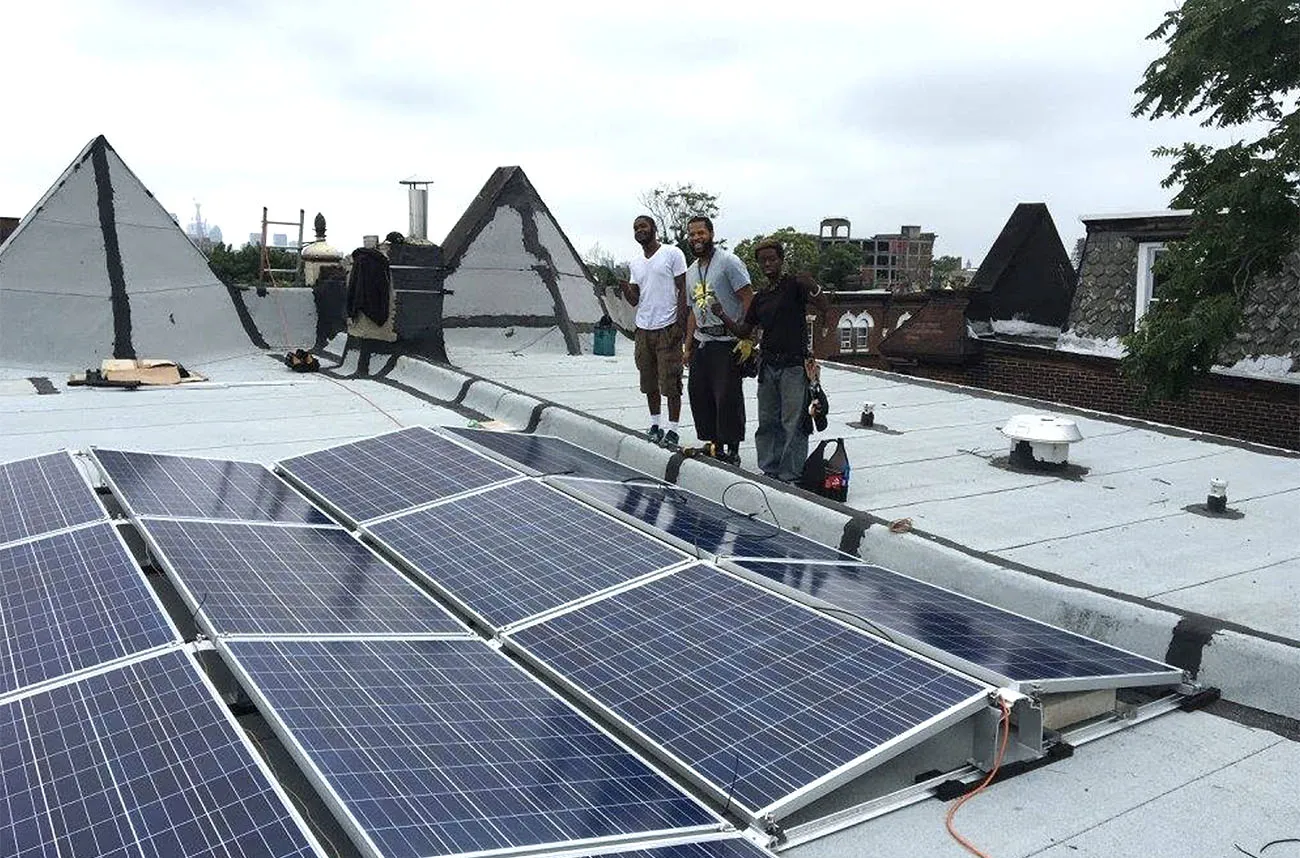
(1041, 440)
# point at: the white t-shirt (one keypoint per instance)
(657, 307)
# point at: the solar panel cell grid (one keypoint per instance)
(445, 747)
(733, 848)
(521, 549)
(758, 695)
(378, 476)
(44, 494)
(139, 761)
(267, 579)
(1015, 647)
(709, 526)
(188, 487)
(546, 454)
(72, 601)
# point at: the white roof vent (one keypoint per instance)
(1040, 440)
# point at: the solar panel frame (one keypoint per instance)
(116, 744)
(83, 508)
(757, 534)
(1159, 675)
(723, 845)
(339, 806)
(136, 504)
(504, 446)
(94, 544)
(150, 528)
(304, 472)
(393, 535)
(969, 707)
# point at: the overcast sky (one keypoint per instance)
(943, 114)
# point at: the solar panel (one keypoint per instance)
(138, 761)
(520, 549)
(402, 470)
(71, 601)
(273, 579)
(546, 454)
(444, 747)
(1006, 645)
(762, 698)
(701, 523)
(188, 487)
(44, 494)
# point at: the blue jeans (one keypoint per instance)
(780, 439)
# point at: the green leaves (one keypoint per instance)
(1236, 62)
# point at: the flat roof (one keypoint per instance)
(1137, 215)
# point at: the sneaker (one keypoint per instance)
(670, 439)
(654, 435)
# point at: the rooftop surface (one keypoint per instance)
(1108, 549)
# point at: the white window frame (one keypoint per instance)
(1146, 262)
(845, 336)
(862, 332)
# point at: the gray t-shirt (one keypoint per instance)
(725, 275)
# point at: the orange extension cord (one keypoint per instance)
(1005, 723)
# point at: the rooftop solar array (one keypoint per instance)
(520, 549)
(137, 761)
(1006, 645)
(273, 579)
(375, 477)
(763, 698)
(44, 494)
(187, 487)
(701, 523)
(71, 601)
(444, 747)
(550, 456)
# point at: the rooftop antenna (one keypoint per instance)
(418, 197)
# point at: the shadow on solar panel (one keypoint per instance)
(765, 703)
(974, 636)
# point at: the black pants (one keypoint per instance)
(717, 401)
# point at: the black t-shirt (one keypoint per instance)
(780, 312)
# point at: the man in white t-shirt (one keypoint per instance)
(657, 288)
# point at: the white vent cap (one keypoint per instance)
(1042, 428)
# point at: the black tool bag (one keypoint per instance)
(815, 421)
(827, 474)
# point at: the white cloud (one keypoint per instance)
(943, 113)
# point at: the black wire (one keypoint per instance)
(875, 628)
(1265, 846)
(194, 615)
(735, 770)
(564, 473)
(775, 524)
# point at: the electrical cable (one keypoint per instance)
(519, 351)
(1265, 846)
(367, 399)
(1005, 723)
(735, 770)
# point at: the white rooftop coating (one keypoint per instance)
(1114, 528)
(1088, 218)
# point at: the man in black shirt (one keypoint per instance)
(780, 311)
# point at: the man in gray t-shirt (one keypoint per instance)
(717, 400)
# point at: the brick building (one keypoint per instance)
(898, 262)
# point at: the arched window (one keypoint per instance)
(862, 332)
(845, 327)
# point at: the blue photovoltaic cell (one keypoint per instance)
(520, 549)
(378, 476)
(546, 454)
(707, 525)
(736, 847)
(42, 495)
(1009, 645)
(139, 761)
(442, 747)
(188, 487)
(760, 696)
(72, 601)
(272, 579)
